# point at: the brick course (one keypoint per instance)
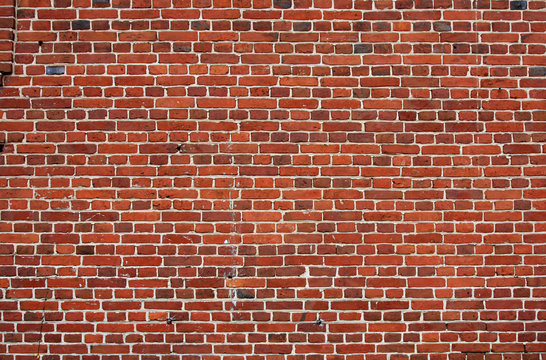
(306, 179)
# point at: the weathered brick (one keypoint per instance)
(248, 179)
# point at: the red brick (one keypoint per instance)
(272, 178)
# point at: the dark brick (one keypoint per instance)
(424, 4)
(361, 93)
(421, 26)
(361, 138)
(404, 4)
(302, 26)
(85, 250)
(177, 47)
(55, 70)
(538, 71)
(244, 294)
(81, 25)
(62, 3)
(284, 4)
(200, 25)
(442, 26)
(363, 48)
(518, 5)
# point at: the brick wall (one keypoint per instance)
(7, 24)
(307, 179)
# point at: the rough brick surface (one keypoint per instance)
(7, 24)
(273, 179)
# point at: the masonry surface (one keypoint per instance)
(257, 179)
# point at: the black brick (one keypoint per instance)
(363, 48)
(81, 25)
(518, 5)
(244, 294)
(285, 4)
(55, 70)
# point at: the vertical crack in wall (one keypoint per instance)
(42, 323)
